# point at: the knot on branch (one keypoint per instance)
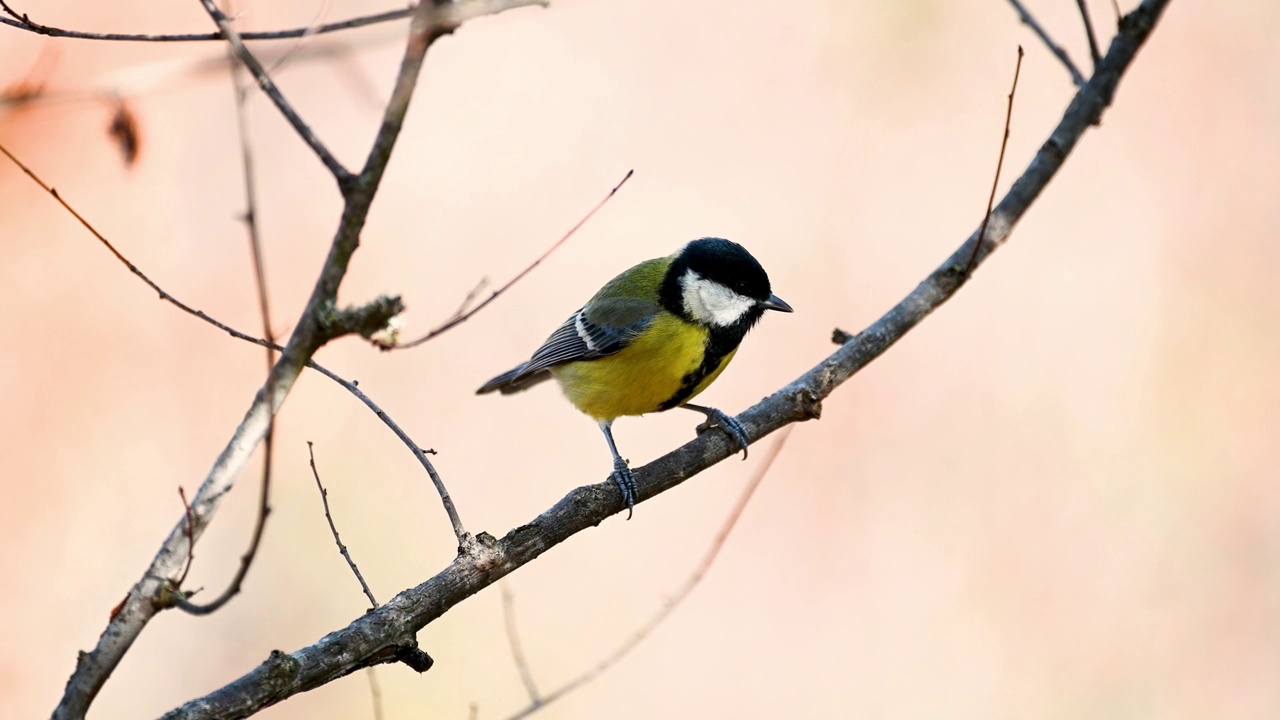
(808, 403)
(170, 594)
(406, 652)
(483, 551)
(280, 669)
(415, 657)
(373, 318)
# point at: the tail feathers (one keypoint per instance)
(514, 381)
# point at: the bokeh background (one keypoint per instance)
(1057, 498)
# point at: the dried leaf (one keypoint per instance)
(124, 131)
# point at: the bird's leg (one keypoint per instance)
(725, 422)
(621, 471)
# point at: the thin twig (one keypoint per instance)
(1088, 30)
(241, 94)
(240, 91)
(459, 531)
(1076, 76)
(339, 172)
(513, 639)
(251, 212)
(471, 296)
(312, 31)
(163, 294)
(460, 317)
(125, 261)
(22, 22)
(464, 538)
(324, 498)
(643, 632)
(246, 560)
(1004, 142)
(375, 693)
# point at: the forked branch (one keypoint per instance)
(318, 323)
(1029, 20)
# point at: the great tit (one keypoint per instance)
(651, 339)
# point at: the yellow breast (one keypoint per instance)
(641, 377)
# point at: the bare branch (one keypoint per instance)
(465, 541)
(319, 323)
(311, 31)
(375, 637)
(241, 90)
(365, 320)
(537, 703)
(154, 592)
(339, 172)
(1004, 142)
(123, 260)
(1055, 48)
(22, 22)
(324, 498)
(462, 314)
(1088, 31)
(183, 601)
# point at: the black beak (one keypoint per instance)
(776, 303)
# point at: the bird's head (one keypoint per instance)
(716, 283)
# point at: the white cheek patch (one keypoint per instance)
(711, 303)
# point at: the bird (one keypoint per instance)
(651, 339)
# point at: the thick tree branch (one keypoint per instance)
(319, 323)
(378, 636)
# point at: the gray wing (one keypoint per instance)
(609, 326)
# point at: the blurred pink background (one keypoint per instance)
(1057, 498)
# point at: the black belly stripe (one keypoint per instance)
(720, 342)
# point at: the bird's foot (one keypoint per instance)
(734, 429)
(626, 483)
